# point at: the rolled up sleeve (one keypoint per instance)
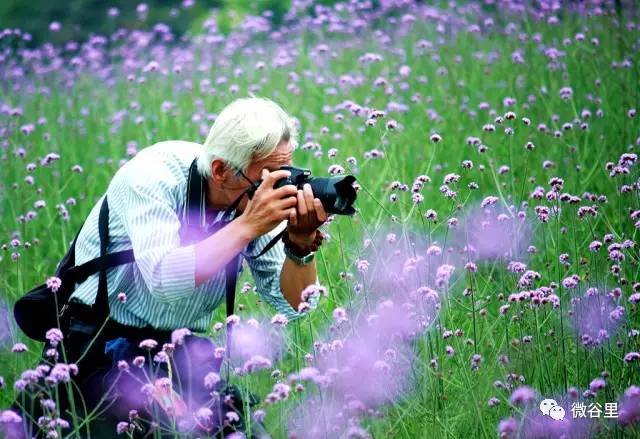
(266, 272)
(147, 205)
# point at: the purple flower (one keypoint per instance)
(161, 357)
(489, 201)
(507, 427)
(259, 415)
(443, 275)
(362, 265)
(571, 281)
(48, 404)
(632, 356)
(308, 292)
(19, 347)
(256, 362)
(475, 361)
(204, 418)
(471, 267)
(597, 384)
(629, 406)
(232, 417)
(60, 372)
(148, 344)
(523, 395)
(596, 318)
(451, 178)
(340, 315)
(279, 320)
(54, 283)
(148, 389)
(493, 402)
(431, 215)
(233, 320)
(54, 335)
(178, 335)
(9, 416)
(122, 427)
(20, 385)
(516, 267)
(211, 380)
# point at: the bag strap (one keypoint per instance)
(101, 264)
(195, 228)
(231, 277)
(193, 213)
(101, 304)
(81, 272)
(193, 210)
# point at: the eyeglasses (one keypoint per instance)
(253, 184)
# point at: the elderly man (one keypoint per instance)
(171, 285)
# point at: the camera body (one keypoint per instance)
(336, 193)
(298, 177)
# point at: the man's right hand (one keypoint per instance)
(269, 206)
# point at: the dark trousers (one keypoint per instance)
(116, 388)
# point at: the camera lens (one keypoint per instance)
(336, 193)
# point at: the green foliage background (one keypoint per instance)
(81, 18)
(450, 401)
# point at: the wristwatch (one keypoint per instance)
(299, 260)
(301, 255)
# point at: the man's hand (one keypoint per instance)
(269, 206)
(306, 218)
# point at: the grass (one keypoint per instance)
(449, 401)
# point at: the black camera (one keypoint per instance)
(336, 193)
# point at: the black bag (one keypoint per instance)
(41, 309)
(37, 310)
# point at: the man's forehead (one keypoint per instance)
(282, 153)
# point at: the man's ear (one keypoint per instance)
(219, 170)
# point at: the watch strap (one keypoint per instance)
(299, 260)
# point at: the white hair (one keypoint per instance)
(245, 130)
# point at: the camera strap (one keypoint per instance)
(195, 228)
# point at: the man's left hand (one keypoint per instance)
(305, 219)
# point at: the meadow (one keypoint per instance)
(491, 263)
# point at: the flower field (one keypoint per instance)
(491, 265)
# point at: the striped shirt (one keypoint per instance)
(146, 197)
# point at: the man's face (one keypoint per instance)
(281, 156)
